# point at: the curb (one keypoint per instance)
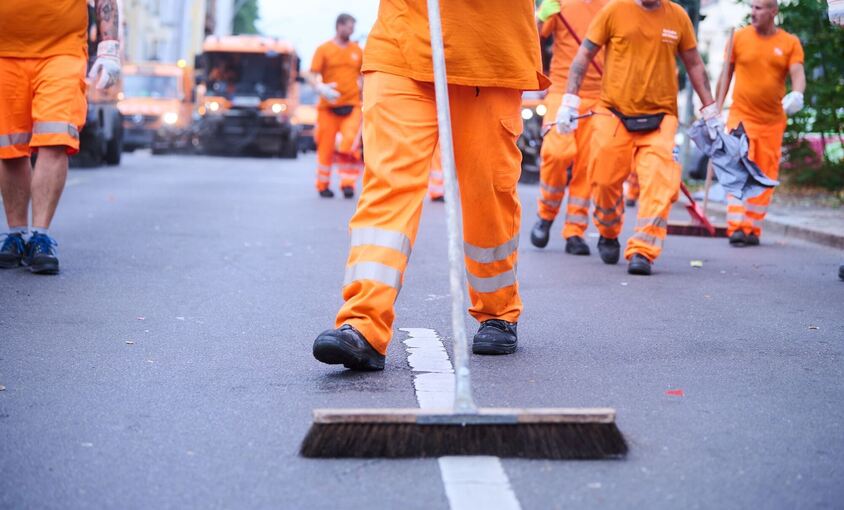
(789, 228)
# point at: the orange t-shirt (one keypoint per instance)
(43, 28)
(640, 76)
(340, 65)
(489, 43)
(762, 65)
(579, 13)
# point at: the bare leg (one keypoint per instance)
(47, 184)
(15, 178)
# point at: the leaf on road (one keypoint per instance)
(180, 318)
(141, 318)
(814, 327)
(675, 393)
(696, 263)
(2, 388)
(130, 342)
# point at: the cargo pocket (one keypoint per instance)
(509, 167)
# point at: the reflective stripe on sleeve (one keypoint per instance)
(55, 128)
(494, 254)
(492, 283)
(383, 238)
(374, 271)
(15, 139)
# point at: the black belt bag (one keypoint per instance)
(639, 123)
(343, 111)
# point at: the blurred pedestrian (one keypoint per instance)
(636, 118)
(492, 55)
(763, 57)
(335, 75)
(43, 59)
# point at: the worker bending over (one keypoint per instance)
(492, 55)
(565, 156)
(762, 57)
(636, 118)
(335, 74)
(43, 60)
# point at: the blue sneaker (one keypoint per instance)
(11, 253)
(41, 255)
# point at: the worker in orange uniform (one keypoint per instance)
(492, 54)
(565, 157)
(335, 75)
(436, 184)
(763, 56)
(43, 59)
(636, 118)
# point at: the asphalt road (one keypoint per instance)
(169, 365)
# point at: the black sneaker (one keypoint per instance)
(639, 264)
(751, 240)
(540, 233)
(348, 192)
(12, 251)
(495, 336)
(346, 346)
(738, 238)
(41, 255)
(326, 193)
(577, 246)
(609, 249)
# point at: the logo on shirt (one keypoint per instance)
(778, 52)
(670, 36)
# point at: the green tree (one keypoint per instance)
(823, 45)
(246, 16)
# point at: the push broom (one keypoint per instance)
(465, 429)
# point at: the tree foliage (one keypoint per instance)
(246, 17)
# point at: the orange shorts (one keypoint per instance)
(42, 103)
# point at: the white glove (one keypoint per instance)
(328, 91)
(567, 114)
(712, 118)
(107, 64)
(792, 102)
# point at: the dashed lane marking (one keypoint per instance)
(470, 482)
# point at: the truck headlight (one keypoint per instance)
(170, 118)
(527, 113)
(213, 106)
(278, 107)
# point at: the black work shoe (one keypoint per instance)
(540, 233)
(738, 238)
(12, 251)
(841, 272)
(639, 264)
(348, 191)
(326, 193)
(751, 240)
(495, 336)
(609, 249)
(630, 202)
(577, 246)
(346, 346)
(41, 255)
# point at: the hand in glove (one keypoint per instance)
(792, 102)
(328, 91)
(712, 118)
(106, 68)
(567, 114)
(547, 9)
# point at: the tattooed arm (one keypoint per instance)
(585, 54)
(697, 75)
(107, 22)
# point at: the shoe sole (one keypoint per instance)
(641, 271)
(539, 243)
(585, 252)
(334, 352)
(610, 260)
(492, 348)
(47, 267)
(10, 263)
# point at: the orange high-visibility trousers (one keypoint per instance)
(400, 133)
(436, 184)
(615, 152)
(331, 152)
(565, 161)
(631, 188)
(765, 151)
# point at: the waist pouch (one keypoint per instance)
(343, 111)
(639, 123)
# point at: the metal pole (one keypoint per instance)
(463, 402)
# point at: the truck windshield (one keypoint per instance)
(137, 85)
(247, 74)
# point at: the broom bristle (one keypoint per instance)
(524, 440)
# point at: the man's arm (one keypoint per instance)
(107, 22)
(731, 69)
(579, 65)
(798, 78)
(697, 75)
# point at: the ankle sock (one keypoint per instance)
(18, 230)
(40, 230)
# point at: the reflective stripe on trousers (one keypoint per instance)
(502, 252)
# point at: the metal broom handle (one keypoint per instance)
(463, 402)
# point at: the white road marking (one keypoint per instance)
(470, 482)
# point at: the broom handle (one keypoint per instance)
(719, 102)
(463, 402)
